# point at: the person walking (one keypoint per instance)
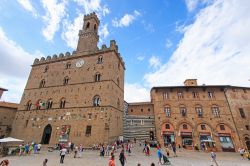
(122, 158)
(112, 160)
(174, 149)
(107, 150)
(213, 156)
(159, 154)
(75, 152)
(80, 150)
(129, 149)
(39, 146)
(242, 151)
(63, 152)
(35, 148)
(27, 148)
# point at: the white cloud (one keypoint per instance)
(126, 20)
(26, 4)
(71, 29)
(14, 67)
(168, 43)
(103, 32)
(140, 58)
(154, 62)
(136, 93)
(192, 4)
(93, 6)
(54, 14)
(215, 48)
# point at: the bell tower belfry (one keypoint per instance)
(88, 36)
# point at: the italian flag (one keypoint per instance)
(41, 104)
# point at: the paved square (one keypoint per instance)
(92, 158)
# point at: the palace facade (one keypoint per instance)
(79, 97)
(74, 97)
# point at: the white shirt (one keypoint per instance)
(63, 151)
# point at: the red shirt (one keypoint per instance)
(111, 162)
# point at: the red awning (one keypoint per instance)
(205, 133)
(186, 133)
(168, 133)
(224, 134)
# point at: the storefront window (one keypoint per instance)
(226, 142)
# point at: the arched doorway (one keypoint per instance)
(225, 137)
(247, 140)
(46, 134)
(167, 132)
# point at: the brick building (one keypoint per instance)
(7, 115)
(209, 114)
(76, 97)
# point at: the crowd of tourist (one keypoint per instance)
(122, 149)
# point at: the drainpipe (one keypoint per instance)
(232, 116)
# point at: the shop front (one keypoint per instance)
(225, 137)
(168, 134)
(187, 140)
(186, 134)
(205, 137)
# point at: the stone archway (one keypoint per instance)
(247, 142)
(225, 137)
(46, 134)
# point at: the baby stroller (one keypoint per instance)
(165, 160)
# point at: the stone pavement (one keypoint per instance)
(92, 158)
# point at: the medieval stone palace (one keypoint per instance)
(79, 97)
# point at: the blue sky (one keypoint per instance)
(162, 42)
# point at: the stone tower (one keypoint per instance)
(77, 97)
(88, 36)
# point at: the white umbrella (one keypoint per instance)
(10, 139)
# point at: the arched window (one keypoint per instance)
(167, 111)
(87, 26)
(28, 106)
(96, 101)
(97, 77)
(62, 103)
(66, 80)
(49, 104)
(215, 111)
(199, 110)
(167, 126)
(183, 110)
(95, 27)
(185, 126)
(99, 61)
(42, 84)
(46, 69)
(68, 65)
